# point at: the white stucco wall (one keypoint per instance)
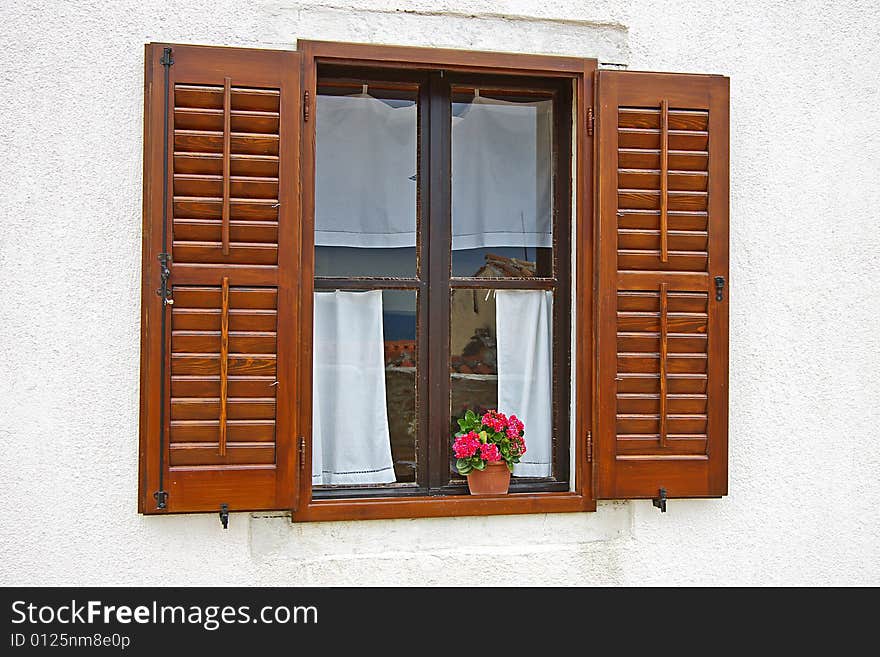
(805, 352)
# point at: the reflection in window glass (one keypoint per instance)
(502, 200)
(364, 420)
(365, 180)
(501, 355)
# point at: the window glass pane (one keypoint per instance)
(502, 196)
(365, 417)
(501, 355)
(366, 179)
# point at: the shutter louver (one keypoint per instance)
(232, 220)
(663, 233)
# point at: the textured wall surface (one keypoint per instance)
(805, 352)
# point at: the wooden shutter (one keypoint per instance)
(218, 427)
(663, 240)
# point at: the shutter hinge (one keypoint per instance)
(161, 497)
(306, 106)
(167, 57)
(302, 455)
(589, 446)
(591, 120)
(224, 515)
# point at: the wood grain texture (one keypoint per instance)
(662, 361)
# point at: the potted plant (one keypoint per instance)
(486, 449)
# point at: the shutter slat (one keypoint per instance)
(259, 166)
(210, 230)
(198, 408)
(183, 386)
(650, 219)
(209, 342)
(662, 343)
(234, 131)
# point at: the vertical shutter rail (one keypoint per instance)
(664, 180)
(224, 363)
(161, 495)
(227, 147)
(664, 348)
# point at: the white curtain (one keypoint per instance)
(501, 175)
(524, 320)
(365, 187)
(350, 437)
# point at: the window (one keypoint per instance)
(352, 244)
(475, 283)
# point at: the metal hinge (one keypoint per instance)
(591, 120)
(302, 455)
(306, 106)
(589, 446)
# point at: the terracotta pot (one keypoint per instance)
(494, 480)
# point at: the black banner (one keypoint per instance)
(387, 620)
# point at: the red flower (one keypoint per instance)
(490, 452)
(495, 421)
(466, 446)
(518, 445)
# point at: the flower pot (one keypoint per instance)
(494, 480)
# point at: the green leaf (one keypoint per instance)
(462, 423)
(463, 466)
(483, 436)
(480, 465)
(470, 416)
(510, 466)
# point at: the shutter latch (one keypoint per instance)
(590, 121)
(164, 273)
(161, 498)
(660, 502)
(224, 515)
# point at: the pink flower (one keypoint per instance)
(517, 445)
(466, 446)
(515, 424)
(490, 452)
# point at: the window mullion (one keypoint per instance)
(439, 219)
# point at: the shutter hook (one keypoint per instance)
(660, 502)
(719, 288)
(224, 515)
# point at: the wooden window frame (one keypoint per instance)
(581, 73)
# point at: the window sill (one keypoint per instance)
(435, 507)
